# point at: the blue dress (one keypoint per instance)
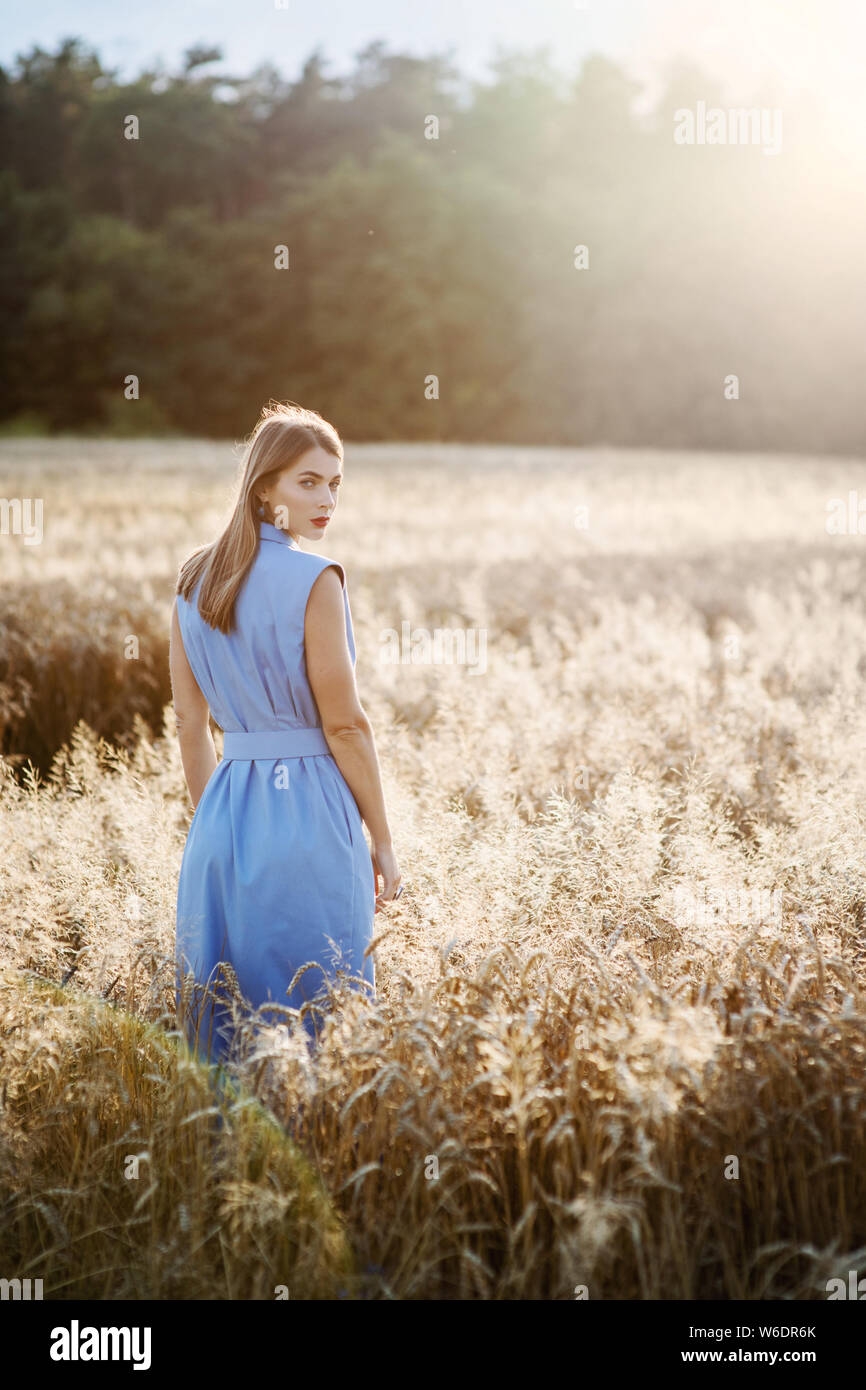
(276, 871)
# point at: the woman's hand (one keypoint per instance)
(385, 867)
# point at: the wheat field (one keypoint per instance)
(617, 1048)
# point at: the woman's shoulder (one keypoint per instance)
(324, 562)
(287, 562)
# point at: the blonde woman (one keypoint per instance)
(276, 871)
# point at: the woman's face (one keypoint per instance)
(304, 494)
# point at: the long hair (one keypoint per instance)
(281, 435)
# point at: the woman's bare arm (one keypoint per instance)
(344, 723)
(197, 750)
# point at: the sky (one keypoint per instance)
(800, 45)
(128, 36)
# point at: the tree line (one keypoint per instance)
(528, 258)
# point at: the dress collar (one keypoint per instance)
(269, 532)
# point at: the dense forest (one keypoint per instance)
(431, 284)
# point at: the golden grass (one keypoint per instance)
(124, 1174)
(672, 701)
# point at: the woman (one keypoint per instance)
(276, 872)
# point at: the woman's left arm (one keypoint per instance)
(197, 750)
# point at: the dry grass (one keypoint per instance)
(671, 701)
(124, 1175)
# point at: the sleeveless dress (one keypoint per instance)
(276, 871)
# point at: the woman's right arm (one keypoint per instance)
(197, 751)
(345, 725)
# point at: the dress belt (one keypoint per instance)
(304, 742)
